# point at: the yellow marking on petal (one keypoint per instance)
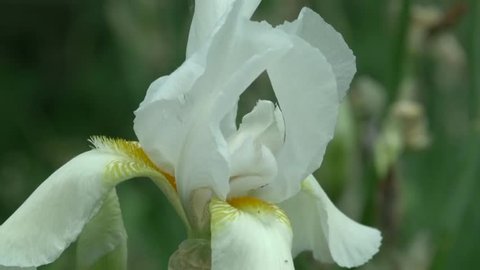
(221, 213)
(258, 207)
(248, 203)
(224, 212)
(136, 161)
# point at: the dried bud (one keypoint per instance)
(368, 97)
(413, 124)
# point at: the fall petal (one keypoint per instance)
(57, 211)
(320, 227)
(103, 242)
(249, 234)
(54, 215)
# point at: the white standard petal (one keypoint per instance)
(252, 166)
(238, 53)
(313, 29)
(320, 227)
(160, 119)
(209, 16)
(252, 149)
(228, 125)
(249, 234)
(265, 124)
(306, 89)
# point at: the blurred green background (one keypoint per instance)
(405, 157)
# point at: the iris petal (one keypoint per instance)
(103, 242)
(306, 89)
(319, 226)
(208, 17)
(57, 211)
(54, 215)
(249, 234)
(252, 149)
(160, 121)
(187, 127)
(312, 28)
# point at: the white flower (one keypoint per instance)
(241, 188)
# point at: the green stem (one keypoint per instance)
(400, 57)
(474, 38)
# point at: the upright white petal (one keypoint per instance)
(265, 124)
(320, 227)
(313, 29)
(189, 124)
(103, 242)
(252, 235)
(209, 16)
(160, 119)
(237, 56)
(252, 149)
(306, 89)
(228, 124)
(253, 166)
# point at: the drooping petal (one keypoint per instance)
(54, 215)
(306, 89)
(249, 234)
(207, 18)
(57, 211)
(313, 29)
(103, 242)
(320, 227)
(136, 163)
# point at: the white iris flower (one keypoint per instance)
(248, 191)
